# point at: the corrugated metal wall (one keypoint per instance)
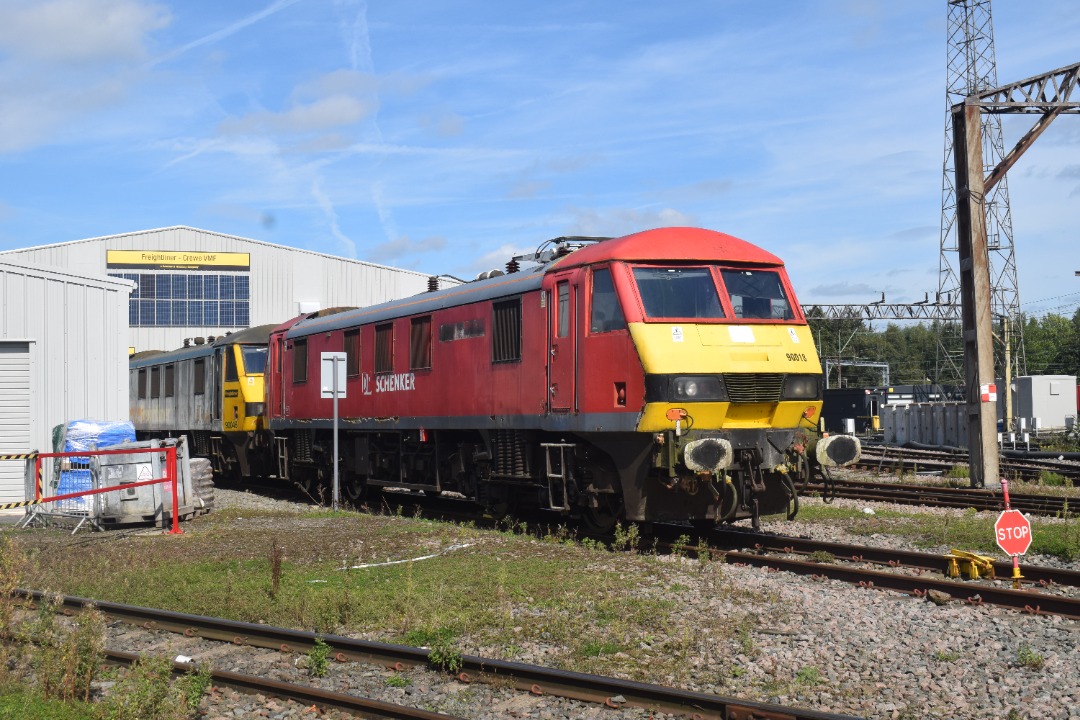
(74, 328)
(281, 277)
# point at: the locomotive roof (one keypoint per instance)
(258, 335)
(471, 292)
(679, 244)
(676, 244)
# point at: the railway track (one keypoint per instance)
(534, 679)
(768, 553)
(884, 458)
(938, 496)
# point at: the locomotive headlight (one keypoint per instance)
(802, 387)
(697, 388)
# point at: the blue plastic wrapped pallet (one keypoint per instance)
(94, 434)
(72, 481)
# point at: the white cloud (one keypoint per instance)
(402, 246)
(615, 222)
(78, 31)
(323, 114)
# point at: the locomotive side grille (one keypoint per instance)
(754, 387)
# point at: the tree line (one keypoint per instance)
(922, 353)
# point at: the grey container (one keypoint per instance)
(146, 503)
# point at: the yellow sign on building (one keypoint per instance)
(176, 260)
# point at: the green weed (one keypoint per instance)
(1028, 658)
(444, 655)
(809, 675)
(319, 658)
(398, 680)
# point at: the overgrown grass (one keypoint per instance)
(19, 702)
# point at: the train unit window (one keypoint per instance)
(605, 312)
(142, 383)
(462, 330)
(352, 352)
(170, 380)
(155, 382)
(254, 359)
(420, 343)
(199, 381)
(299, 368)
(757, 295)
(678, 293)
(506, 331)
(384, 348)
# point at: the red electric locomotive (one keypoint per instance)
(665, 375)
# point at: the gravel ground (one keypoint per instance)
(826, 646)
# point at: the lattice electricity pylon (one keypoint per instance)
(972, 69)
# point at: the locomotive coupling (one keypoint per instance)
(837, 450)
(708, 455)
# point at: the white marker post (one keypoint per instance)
(332, 382)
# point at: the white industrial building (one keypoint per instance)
(74, 311)
(197, 283)
(61, 358)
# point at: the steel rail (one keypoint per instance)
(883, 556)
(1036, 603)
(943, 497)
(532, 678)
(306, 694)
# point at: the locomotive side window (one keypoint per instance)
(384, 348)
(352, 352)
(506, 330)
(299, 368)
(170, 380)
(420, 343)
(230, 365)
(605, 313)
(678, 292)
(200, 376)
(564, 309)
(757, 294)
(142, 383)
(155, 382)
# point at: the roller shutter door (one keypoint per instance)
(14, 416)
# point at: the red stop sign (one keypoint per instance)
(1013, 532)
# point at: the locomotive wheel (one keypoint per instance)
(602, 518)
(355, 489)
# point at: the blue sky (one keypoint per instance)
(447, 136)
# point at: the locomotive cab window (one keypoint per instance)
(384, 348)
(299, 369)
(420, 343)
(757, 295)
(352, 353)
(605, 313)
(678, 292)
(254, 359)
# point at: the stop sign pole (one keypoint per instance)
(1013, 534)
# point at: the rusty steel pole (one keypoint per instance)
(977, 325)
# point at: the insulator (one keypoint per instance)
(513, 266)
(432, 283)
